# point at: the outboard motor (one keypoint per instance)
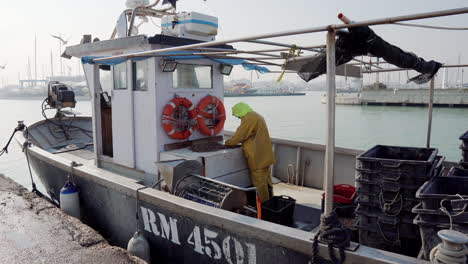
(60, 95)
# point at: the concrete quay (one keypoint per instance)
(34, 231)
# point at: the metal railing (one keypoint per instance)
(331, 71)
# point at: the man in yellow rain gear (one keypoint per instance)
(256, 144)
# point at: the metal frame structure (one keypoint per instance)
(204, 47)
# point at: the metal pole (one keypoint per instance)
(429, 121)
(380, 21)
(330, 147)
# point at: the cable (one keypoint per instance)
(432, 27)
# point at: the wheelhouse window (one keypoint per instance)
(140, 81)
(191, 76)
(120, 76)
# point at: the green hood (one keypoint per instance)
(241, 109)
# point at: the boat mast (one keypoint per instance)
(444, 77)
(51, 64)
(35, 60)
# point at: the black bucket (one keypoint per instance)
(279, 209)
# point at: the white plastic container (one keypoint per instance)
(190, 25)
(70, 199)
(139, 246)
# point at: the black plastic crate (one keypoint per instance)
(415, 161)
(438, 217)
(464, 139)
(373, 220)
(464, 153)
(442, 188)
(388, 189)
(428, 232)
(387, 203)
(387, 225)
(279, 209)
(400, 177)
(388, 241)
(457, 172)
(405, 246)
(374, 211)
(464, 164)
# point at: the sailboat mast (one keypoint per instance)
(35, 60)
(51, 64)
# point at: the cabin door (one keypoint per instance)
(122, 115)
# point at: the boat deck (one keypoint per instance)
(308, 200)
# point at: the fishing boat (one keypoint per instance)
(151, 160)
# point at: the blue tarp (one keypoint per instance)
(245, 64)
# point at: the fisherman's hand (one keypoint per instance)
(229, 143)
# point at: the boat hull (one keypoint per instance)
(174, 237)
(179, 230)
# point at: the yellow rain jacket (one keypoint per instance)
(256, 145)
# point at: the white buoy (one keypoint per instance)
(70, 199)
(138, 246)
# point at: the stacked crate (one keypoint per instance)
(464, 148)
(387, 180)
(439, 197)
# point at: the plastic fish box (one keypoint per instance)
(464, 153)
(375, 211)
(389, 241)
(414, 161)
(279, 209)
(390, 204)
(457, 172)
(442, 188)
(403, 227)
(398, 177)
(464, 164)
(438, 217)
(388, 189)
(464, 139)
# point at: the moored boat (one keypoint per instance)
(136, 161)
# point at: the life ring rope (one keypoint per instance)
(170, 123)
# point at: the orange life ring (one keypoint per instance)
(176, 125)
(217, 117)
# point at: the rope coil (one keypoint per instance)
(441, 255)
(335, 235)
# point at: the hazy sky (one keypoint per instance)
(22, 20)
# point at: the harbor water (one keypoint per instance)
(301, 118)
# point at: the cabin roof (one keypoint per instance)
(87, 49)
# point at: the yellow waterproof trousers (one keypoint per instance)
(262, 180)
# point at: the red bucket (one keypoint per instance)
(343, 193)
